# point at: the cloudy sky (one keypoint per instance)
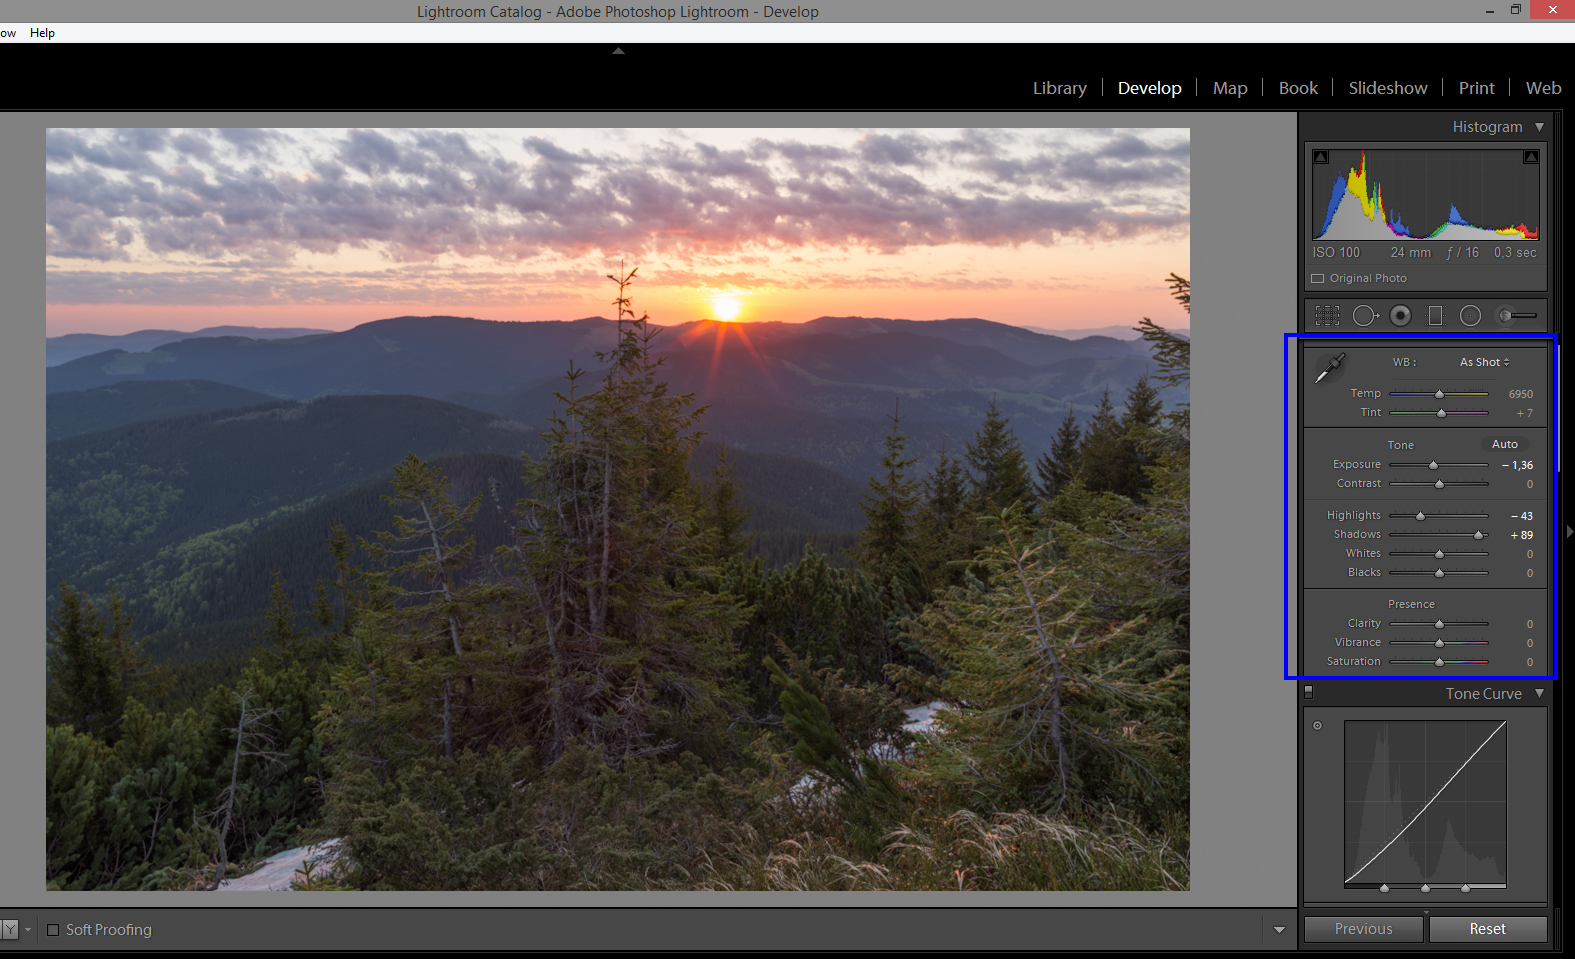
(180, 229)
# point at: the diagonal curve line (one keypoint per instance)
(1430, 801)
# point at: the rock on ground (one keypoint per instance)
(277, 872)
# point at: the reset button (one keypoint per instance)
(1493, 929)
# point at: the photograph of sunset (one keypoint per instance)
(326, 229)
(686, 509)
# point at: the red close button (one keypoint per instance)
(1553, 9)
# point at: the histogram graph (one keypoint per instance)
(1492, 195)
(1426, 804)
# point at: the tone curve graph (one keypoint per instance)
(1457, 837)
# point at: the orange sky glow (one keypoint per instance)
(184, 229)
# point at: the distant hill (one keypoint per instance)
(70, 346)
(751, 415)
(144, 506)
(1020, 344)
(437, 356)
(424, 356)
(1114, 332)
(86, 411)
(786, 492)
(820, 390)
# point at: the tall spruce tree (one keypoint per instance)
(408, 666)
(1058, 465)
(1101, 454)
(945, 528)
(612, 646)
(725, 512)
(1000, 470)
(888, 545)
(1140, 416)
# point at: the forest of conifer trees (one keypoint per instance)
(591, 675)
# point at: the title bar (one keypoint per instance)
(1342, 13)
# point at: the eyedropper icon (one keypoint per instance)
(1334, 364)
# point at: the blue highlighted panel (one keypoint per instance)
(1423, 503)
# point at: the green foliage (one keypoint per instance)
(889, 505)
(1059, 464)
(132, 814)
(808, 719)
(94, 672)
(501, 820)
(1045, 709)
(554, 697)
(725, 512)
(868, 794)
(410, 630)
(319, 876)
(616, 651)
(587, 631)
(945, 523)
(1173, 355)
(829, 618)
(1000, 470)
(76, 766)
(1115, 453)
(779, 548)
(867, 717)
(1100, 458)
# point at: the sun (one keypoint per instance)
(726, 307)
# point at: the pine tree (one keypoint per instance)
(617, 650)
(726, 514)
(1137, 420)
(945, 528)
(1059, 464)
(1033, 672)
(1000, 470)
(282, 633)
(888, 544)
(823, 748)
(92, 673)
(1100, 455)
(409, 665)
(1173, 355)
(1142, 406)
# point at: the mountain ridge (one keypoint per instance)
(439, 355)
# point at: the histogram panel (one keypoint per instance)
(1448, 195)
(1426, 803)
